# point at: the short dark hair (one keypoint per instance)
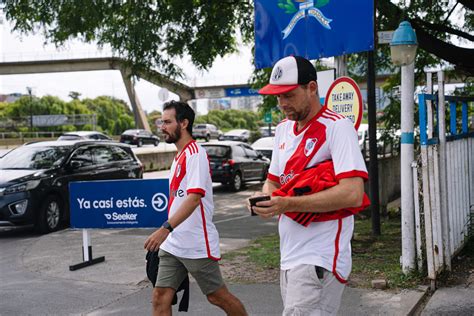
(183, 112)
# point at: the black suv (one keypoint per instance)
(234, 163)
(34, 178)
(139, 137)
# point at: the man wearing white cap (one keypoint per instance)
(315, 212)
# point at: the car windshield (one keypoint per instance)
(34, 158)
(199, 126)
(217, 151)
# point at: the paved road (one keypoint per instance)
(34, 274)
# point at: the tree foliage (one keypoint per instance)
(146, 33)
(231, 119)
(155, 33)
(113, 115)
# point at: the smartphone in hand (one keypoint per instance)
(253, 202)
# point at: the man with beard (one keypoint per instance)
(315, 212)
(188, 241)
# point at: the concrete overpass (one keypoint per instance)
(184, 92)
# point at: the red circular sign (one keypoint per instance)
(344, 97)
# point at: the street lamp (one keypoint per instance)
(30, 89)
(403, 50)
(403, 45)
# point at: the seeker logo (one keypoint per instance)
(309, 146)
(307, 8)
(108, 216)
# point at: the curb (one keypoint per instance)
(418, 307)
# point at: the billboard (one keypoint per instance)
(136, 203)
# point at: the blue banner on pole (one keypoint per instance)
(119, 203)
(312, 28)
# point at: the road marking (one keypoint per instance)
(231, 219)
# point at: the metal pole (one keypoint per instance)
(373, 164)
(29, 89)
(407, 157)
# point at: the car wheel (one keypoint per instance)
(236, 182)
(50, 215)
(156, 143)
(140, 143)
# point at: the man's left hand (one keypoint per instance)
(154, 241)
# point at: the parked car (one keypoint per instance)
(234, 163)
(88, 135)
(205, 131)
(264, 146)
(139, 137)
(34, 178)
(265, 132)
(241, 135)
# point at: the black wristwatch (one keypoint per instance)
(167, 226)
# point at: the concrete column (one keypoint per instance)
(341, 65)
(407, 157)
(140, 117)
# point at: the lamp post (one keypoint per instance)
(30, 89)
(403, 50)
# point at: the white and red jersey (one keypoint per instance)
(197, 236)
(327, 136)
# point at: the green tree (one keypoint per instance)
(154, 33)
(113, 115)
(146, 33)
(74, 95)
(231, 119)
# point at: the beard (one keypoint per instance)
(173, 137)
(293, 115)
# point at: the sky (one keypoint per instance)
(233, 69)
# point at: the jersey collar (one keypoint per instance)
(311, 121)
(184, 149)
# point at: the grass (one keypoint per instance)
(374, 257)
(378, 257)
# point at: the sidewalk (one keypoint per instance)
(124, 264)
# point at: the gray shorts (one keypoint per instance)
(173, 270)
(304, 293)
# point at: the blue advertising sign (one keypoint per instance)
(311, 28)
(119, 203)
(240, 92)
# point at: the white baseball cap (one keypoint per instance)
(288, 73)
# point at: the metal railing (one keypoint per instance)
(447, 201)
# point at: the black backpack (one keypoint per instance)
(152, 263)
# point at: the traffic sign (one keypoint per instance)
(344, 98)
(267, 118)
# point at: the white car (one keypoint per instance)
(241, 135)
(264, 146)
(85, 135)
